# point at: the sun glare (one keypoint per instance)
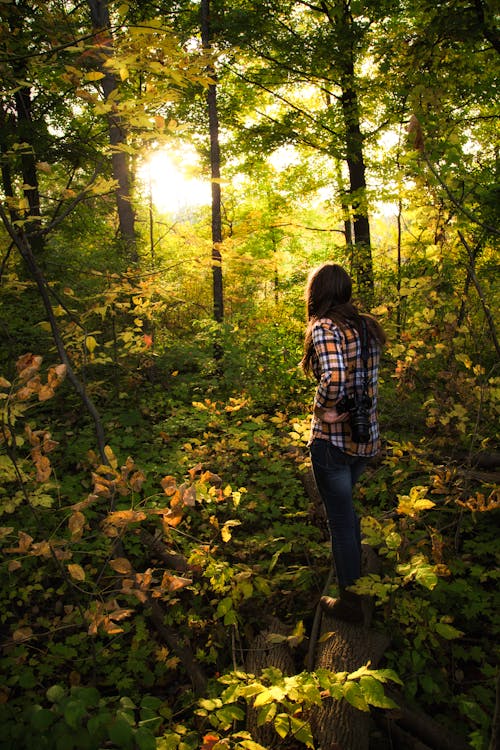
(167, 176)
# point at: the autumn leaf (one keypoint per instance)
(169, 485)
(226, 530)
(415, 502)
(174, 583)
(45, 393)
(41, 549)
(90, 344)
(43, 469)
(24, 543)
(22, 634)
(28, 365)
(137, 480)
(124, 517)
(121, 565)
(209, 740)
(76, 524)
(76, 572)
(108, 452)
(189, 496)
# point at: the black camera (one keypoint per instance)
(358, 407)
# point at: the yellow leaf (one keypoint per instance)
(90, 343)
(108, 452)
(226, 530)
(415, 502)
(94, 75)
(76, 572)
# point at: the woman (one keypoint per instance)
(333, 353)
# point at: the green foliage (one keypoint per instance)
(81, 718)
(285, 702)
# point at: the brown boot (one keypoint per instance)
(346, 607)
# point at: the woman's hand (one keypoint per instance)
(330, 416)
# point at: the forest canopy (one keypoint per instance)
(170, 174)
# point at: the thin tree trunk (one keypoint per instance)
(342, 25)
(22, 243)
(213, 120)
(357, 191)
(99, 12)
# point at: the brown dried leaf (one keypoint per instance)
(76, 524)
(169, 485)
(43, 469)
(22, 634)
(137, 480)
(41, 549)
(45, 393)
(76, 572)
(28, 365)
(121, 565)
(189, 496)
(174, 583)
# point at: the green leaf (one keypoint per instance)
(447, 631)
(96, 724)
(426, 577)
(282, 725)
(301, 731)
(151, 701)
(120, 732)
(144, 739)
(41, 718)
(373, 693)
(274, 693)
(354, 695)
(55, 693)
(251, 745)
(74, 711)
(89, 696)
(230, 713)
(266, 714)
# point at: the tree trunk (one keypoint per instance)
(362, 255)
(213, 121)
(99, 12)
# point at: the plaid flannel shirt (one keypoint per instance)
(338, 368)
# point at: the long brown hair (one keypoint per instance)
(328, 295)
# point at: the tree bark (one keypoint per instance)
(99, 12)
(342, 25)
(213, 122)
(362, 255)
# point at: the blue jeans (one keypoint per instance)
(336, 473)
